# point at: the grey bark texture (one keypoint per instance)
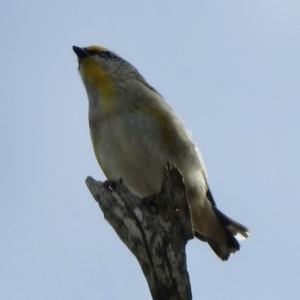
(155, 230)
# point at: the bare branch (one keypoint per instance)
(155, 230)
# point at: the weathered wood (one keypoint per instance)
(155, 230)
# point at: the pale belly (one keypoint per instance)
(129, 154)
(138, 154)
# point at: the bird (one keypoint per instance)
(135, 133)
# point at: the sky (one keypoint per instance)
(229, 69)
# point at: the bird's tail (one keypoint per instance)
(235, 231)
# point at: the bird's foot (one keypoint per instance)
(110, 185)
(149, 200)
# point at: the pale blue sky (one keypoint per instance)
(230, 69)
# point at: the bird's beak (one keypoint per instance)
(81, 52)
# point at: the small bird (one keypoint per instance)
(135, 133)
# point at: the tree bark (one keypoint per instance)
(155, 230)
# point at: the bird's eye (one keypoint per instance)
(107, 54)
(103, 53)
